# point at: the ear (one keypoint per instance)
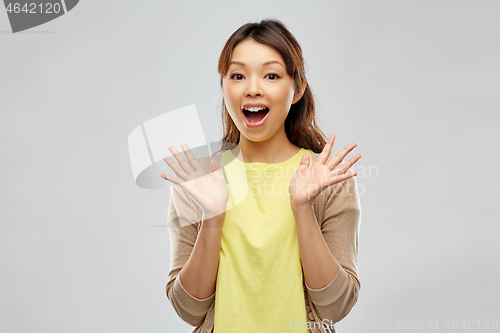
(298, 94)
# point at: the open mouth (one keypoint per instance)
(255, 116)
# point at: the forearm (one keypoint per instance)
(199, 274)
(319, 265)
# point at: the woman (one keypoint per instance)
(281, 255)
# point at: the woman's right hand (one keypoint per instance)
(207, 189)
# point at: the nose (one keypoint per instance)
(253, 88)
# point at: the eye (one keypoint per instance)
(236, 76)
(272, 76)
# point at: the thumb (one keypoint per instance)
(304, 161)
(214, 164)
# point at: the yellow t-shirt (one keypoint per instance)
(259, 282)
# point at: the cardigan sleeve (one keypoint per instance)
(183, 217)
(341, 217)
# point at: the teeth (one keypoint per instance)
(255, 108)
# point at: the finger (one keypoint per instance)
(334, 161)
(181, 160)
(173, 179)
(191, 158)
(339, 178)
(178, 171)
(344, 167)
(323, 157)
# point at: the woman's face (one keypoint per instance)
(257, 77)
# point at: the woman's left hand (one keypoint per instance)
(308, 183)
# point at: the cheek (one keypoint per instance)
(284, 96)
(229, 100)
(229, 95)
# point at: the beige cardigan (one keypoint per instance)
(338, 212)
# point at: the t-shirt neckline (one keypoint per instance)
(289, 161)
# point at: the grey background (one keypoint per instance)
(414, 83)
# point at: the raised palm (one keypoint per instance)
(207, 189)
(308, 182)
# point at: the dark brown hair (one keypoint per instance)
(300, 124)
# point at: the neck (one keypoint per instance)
(273, 150)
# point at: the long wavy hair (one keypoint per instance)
(300, 125)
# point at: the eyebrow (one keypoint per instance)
(264, 64)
